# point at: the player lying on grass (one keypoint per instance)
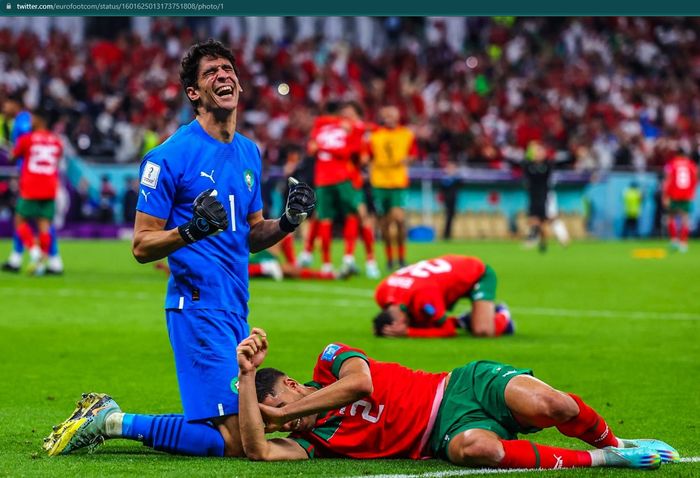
(358, 407)
(415, 300)
(268, 263)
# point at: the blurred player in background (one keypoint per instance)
(269, 263)
(538, 172)
(632, 200)
(393, 148)
(358, 407)
(352, 112)
(680, 181)
(333, 141)
(200, 205)
(561, 233)
(415, 300)
(40, 152)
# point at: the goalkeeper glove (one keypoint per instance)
(301, 202)
(209, 217)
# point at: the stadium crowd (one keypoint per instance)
(608, 92)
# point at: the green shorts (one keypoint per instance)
(475, 398)
(485, 288)
(337, 198)
(385, 199)
(36, 208)
(262, 256)
(679, 206)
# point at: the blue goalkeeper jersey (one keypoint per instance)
(211, 273)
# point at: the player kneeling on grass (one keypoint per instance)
(415, 300)
(358, 407)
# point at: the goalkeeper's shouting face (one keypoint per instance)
(392, 321)
(210, 80)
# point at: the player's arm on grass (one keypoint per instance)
(446, 329)
(250, 353)
(354, 382)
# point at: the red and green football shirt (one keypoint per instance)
(681, 179)
(429, 288)
(336, 141)
(41, 152)
(393, 422)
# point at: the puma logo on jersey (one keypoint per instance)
(145, 195)
(210, 175)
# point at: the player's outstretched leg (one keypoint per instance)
(477, 447)
(534, 403)
(85, 427)
(97, 418)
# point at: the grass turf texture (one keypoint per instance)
(621, 332)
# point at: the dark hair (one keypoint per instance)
(331, 107)
(354, 105)
(40, 112)
(189, 67)
(382, 319)
(17, 96)
(265, 381)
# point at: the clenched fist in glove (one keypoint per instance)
(209, 217)
(301, 202)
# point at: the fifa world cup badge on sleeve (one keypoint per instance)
(329, 352)
(149, 177)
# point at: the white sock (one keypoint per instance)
(113, 425)
(15, 259)
(35, 254)
(597, 457)
(55, 263)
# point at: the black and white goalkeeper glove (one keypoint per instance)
(301, 202)
(209, 217)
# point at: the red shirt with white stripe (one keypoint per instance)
(41, 152)
(681, 179)
(395, 421)
(429, 288)
(336, 140)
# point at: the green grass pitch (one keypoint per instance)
(623, 333)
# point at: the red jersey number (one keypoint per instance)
(425, 269)
(366, 411)
(683, 177)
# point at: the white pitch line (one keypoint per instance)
(486, 471)
(306, 300)
(324, 289)
(621, 314)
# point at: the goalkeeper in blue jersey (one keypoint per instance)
(199, 206)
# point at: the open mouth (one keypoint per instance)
(224, 91)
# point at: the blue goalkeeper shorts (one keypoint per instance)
(204, 343)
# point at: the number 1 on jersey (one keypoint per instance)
(232, 202)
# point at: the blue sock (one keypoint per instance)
(17, 245)
(53, 247)
(173, 434)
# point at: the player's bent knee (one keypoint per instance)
(476, 448)
(557, 406)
